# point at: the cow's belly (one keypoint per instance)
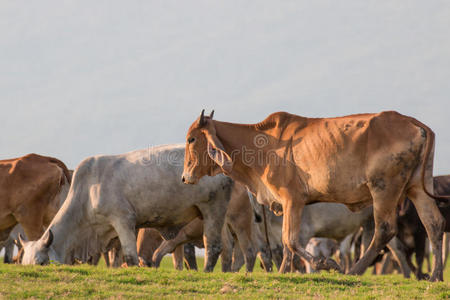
(350, 192)
(163, 217)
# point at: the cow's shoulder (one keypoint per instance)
(278, 119)
(390, 116)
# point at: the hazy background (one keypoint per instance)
(79, 78)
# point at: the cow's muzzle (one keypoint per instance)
(188, 179)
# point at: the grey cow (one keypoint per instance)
(112, 196)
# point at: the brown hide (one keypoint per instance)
(356, 160)
(28, 189)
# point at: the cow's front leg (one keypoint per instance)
(212, 227)
(291, 236)
(227, 251)
(127, 236)
(9, 251)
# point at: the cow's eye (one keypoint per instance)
(191, 140)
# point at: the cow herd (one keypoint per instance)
(289, 189)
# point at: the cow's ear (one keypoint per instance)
(217, 152)
(47, 239)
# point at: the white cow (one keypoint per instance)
(112, 196)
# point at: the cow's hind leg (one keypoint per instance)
(434, 224)
(385, 201)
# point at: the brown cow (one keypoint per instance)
(29, 186)
(290, 161)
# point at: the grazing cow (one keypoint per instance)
(29, 186)
(114, 195)
(240, 221)
(289, 161)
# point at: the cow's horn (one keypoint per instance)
(22, 240)
(201, 120)
(48, 239)
(212, 114)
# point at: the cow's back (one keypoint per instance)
(26, 176)
(28, 191)
(339, 157)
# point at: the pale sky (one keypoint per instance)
(80, 78)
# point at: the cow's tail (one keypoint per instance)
(66, 171)
(428, 148)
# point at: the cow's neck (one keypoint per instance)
(67, 228)
(248, 160)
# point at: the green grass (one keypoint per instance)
(60, 281)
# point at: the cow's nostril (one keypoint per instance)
(182, 178)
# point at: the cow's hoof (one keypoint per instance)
(422, 276)
(131, 260)
(437, 277)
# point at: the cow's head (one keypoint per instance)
(36, 252)
(204, 153)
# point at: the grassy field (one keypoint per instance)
(50, 282)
